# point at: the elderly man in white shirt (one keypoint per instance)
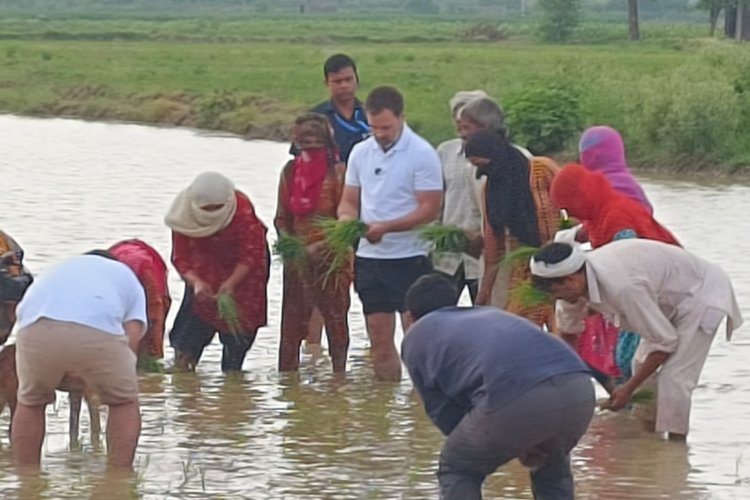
(674, 300)
(462, 205)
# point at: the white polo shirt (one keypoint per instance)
(388, 182)
(88, 290)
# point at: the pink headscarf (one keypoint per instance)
(601, 150)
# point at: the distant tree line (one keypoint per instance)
(557, 18)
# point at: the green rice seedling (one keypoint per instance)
(644, 396)
(290, 248)
(444, 239)
(524, 253)
(528, 296)
(228, 312)
(340, 237)
(149, 364)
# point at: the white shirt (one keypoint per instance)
(388, 182)
(461, 205)
(88, 290)
(661, 292)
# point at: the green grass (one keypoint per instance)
(251, 76)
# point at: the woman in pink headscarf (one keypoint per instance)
(601, 150)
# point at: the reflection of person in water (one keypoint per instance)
(347, 438)
(219, 410)
(614, 447)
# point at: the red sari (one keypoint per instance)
(303, 283)
(151, 270)
(215, 257)
(590, 198)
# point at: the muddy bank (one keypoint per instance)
(261, 117)
(251, 116)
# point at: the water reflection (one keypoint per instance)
(69, 186)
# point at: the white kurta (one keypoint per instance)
(674, 300)
(461, 206)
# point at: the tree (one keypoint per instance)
(559, 19)
(634, 31)
(714, 8)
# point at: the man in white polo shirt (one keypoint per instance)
(84, 316)
(394, 184)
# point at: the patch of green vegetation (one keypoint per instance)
(678, 97)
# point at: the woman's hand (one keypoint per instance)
(203, 291)
(315, 250)
(226, 288)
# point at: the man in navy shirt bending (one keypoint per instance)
(499, 388)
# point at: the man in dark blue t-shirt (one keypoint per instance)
(499, 388)
(343, 109)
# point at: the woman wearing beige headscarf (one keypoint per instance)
(218, 247)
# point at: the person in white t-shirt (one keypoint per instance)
(394, 184)
(84, 316)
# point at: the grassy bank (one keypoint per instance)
(679, 99)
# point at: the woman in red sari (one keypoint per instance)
(151, 270)
(218, 247)
(606, 214)
(310, 187)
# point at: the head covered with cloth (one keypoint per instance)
(559, 270)
(602, 150)
(509, 199)
(206, 207)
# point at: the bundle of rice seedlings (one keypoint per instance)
(524, 294)
(340, 237)
(522, 253)
(527, 296)
(644, 396)
(290, 248)
(227, 308)
(149, 364)
(445, 239)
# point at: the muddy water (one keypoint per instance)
(68, 186)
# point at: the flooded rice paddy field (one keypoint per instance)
(69, 186)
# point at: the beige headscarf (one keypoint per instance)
(462, 98)
(187, 215)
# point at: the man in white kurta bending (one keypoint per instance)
(674, 300)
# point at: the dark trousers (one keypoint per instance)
(459, 278)
(190, 335)
(546, 423)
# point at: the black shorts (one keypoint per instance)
(382, 283)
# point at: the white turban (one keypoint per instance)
(571, 265)
(188, 215)
(462, 98)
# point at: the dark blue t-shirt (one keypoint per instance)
(346, 133)
(460, 358)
